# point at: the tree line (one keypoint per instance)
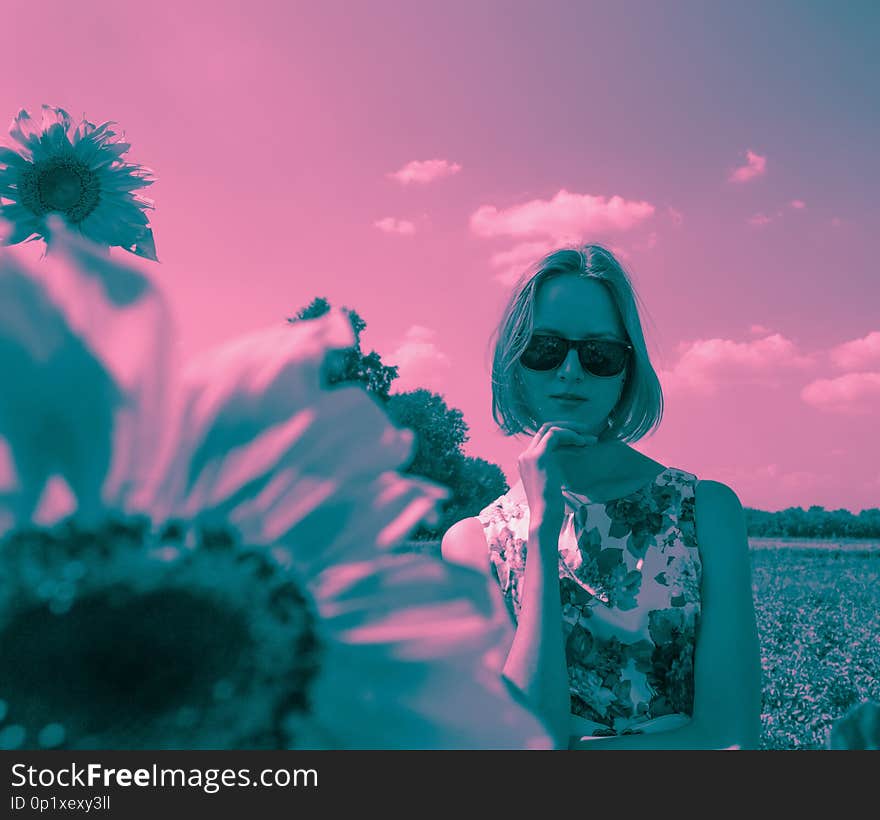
(441, 433)
(816, 522)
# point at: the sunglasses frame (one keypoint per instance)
(579, 345)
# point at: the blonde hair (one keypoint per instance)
(640, 407)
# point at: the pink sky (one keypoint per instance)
(408, 159)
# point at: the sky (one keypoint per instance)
(409, 159)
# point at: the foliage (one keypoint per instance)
(476, 483)
(816, 522)
(352, 365)
(818, 621)
(442, 431)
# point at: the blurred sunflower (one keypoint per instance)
(214, 571)
(78, 174)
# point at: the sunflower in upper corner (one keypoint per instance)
(79, 174)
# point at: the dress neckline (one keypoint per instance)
(585, 499)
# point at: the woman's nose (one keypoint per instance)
(571, 365)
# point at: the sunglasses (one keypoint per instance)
(601, 357)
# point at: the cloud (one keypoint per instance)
(419, 360)
(765, 481)
(858, 354)
(755, 166)
(424, 171)
(515, 260)
(676, 216)
(759, 220)
(853, 394)
(391, 225)
(565, 218)
(759, 330)
(798, 204)
(705, 365)
(806, 480)
(836, 222)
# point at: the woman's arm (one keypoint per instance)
(536, 663)
(687, 737)
(727, 661)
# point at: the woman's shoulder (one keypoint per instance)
(719, 520)
(717, 498)
(468, 541)
(465, 543)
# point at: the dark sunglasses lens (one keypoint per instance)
(543, 353)
(603, 358)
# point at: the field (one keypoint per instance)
(818, 611)
(819, 625)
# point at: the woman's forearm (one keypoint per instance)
(536, 661)
(690, 736)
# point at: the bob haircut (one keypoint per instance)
(640, 407)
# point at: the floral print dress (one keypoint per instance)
(629, 576)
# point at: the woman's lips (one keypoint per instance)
(567, 400)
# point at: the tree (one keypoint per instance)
(441, 433)
(476, 484)
(816, 522)
(351, 365)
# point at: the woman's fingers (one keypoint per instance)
(575, 426)
(560, 437)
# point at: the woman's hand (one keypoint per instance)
(541, 473)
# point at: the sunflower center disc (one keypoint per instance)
(118, 660)
(61, 188)
(104, 643)
(60, 184)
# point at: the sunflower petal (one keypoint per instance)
(350, 522)
(21, 230)
(24, 131)
(90, 144)
(235, 393)
(146, 246)
(11, 158)
(320, 484)
(93, 400)
(261, 444)
(425, 641)
(53, 117)
(54, 409)
(82, 130)
(124, 182)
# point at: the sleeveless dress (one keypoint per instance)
(629, 576)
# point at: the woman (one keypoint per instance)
(645, 567)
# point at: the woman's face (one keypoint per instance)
(574, 308)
